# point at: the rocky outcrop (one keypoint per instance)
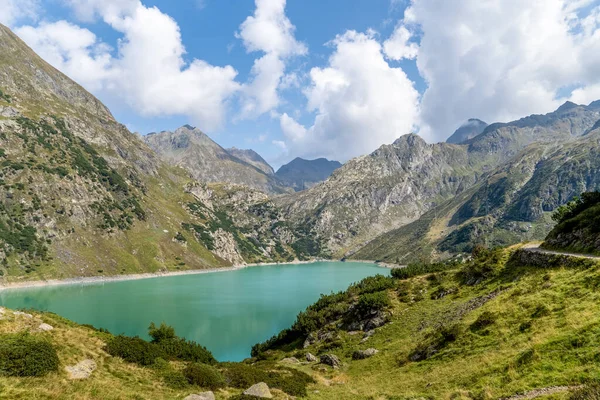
(260, 390)
(331, 359)
(467, 131)
(362, 354)
(311, 358)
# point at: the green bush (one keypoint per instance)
(25, 355)
(371, 302)
(485, 264)
(186, 350)
(483, 321)
(417, 269)
(373, 284)
(134, 350)
(163, 332)
(434, 342)
(204, 376)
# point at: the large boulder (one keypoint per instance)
(45, 327)
(81, 370)
(331, 360)
(201, 396)
(290, 360)
(362, 354)
(260, 390)
(311, 358)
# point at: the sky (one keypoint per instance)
(318, 78)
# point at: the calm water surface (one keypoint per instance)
(227, 312)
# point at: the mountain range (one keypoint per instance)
(82, 196)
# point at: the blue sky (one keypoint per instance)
(311, 78)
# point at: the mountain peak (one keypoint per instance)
(567, 105)
(468, 130)
(253, 158)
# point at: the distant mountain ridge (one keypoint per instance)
(302, 174)
(192, 149)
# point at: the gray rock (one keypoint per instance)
(375, 322)
(362, 354)
(311, 358)
(260, 390)
(45, 327)
(201, 396)
(290, 360)
(81, 370)
(331, 360)
(25, 315)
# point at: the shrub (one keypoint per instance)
(421, 268)
(434, 342)
(576, 206)
(134, 350)
(163, 332)
(186, 350)
(371, 302)
(483, 321)
(243, 376)
(25, 355)
(484, 265)
(373, 284)
(204, 376)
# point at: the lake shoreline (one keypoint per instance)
(151, 275)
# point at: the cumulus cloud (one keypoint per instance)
(499, 59)
(12, 11)
(360, 102)
(398, 47)
(73, 50)
(148, 70)
(271, 32)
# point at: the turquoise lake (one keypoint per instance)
(227, 312)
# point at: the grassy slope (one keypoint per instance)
(546, 333)
(559, 348)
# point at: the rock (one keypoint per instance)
(45, 327)
(367, 335)
(376, 322)
(260, 390)
(2, 310)
(362, 354)
(331, 360)
(201, 396)
(311, 358)
(290, 360)
(25, 315)
(81, 370)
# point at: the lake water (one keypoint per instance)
(227, 312)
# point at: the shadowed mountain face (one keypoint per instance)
(252, 158)
(467, 131)
(302, 174)
(190, 148)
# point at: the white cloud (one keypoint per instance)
(269, 31)
(500, 59)
(73, 50)
(398, 47)
(360, 102)
(12, 11)
(148, 71)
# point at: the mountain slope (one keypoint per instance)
(510, 204)
(252, 158)
(398, 183)
(302, 174)
(190, 148)
(80, 195)
(467, 131)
